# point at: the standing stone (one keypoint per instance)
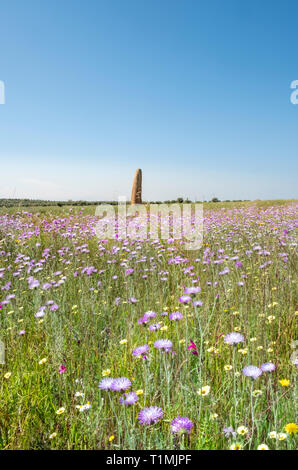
(136, 193)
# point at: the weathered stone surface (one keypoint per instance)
(136, 193)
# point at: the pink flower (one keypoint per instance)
(193, 348)
(62, 369)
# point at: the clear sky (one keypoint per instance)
(196, 93)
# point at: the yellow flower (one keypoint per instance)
(204, 391)
(237, 328)
(235, 447)
(284, 382)
(253, 339)
(139, 392)
(291, 428)
(281, 436)
(214, 416)
(106, 372)
(273, 435)
(43, 360)
(123, 341)
(51, 436)
(242, 430)
(7, 375)
(164, 328)
(111, 438)
(271, 318)
(256, 393)
(263, 447)
(60, 411)
(243, 351)
(228, 367)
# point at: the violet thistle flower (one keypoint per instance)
(184, 299)
(252, 371)
(175, 316)
(129, 398)
(268, 367)
(106, 383)
(140, 350)
(129, 271)
(150, 415)
(229, 432)
(155, 327)
(233, 338)
(181, 425)
(192, 290)
(121, 383)
(165, 344)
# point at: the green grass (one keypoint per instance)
(85, 332)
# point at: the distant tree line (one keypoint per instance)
(41, 202)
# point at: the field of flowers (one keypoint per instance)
(141, 344)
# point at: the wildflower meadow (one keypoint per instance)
(138, 343)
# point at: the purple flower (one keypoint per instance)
(62, 369)
(193, 348)
(175, 316)
(197, 303)
(268, 367)
(150, 415)
(41, 313)
(150, 314)
(225, 271)
(192, 290)
(33, 283)
(252, 371)
(181, 425)
(146, 317)
(229, 431)
(165, 344)
(121, 383)
(233, 338)
(130, 399)
(140, 350)
(184, 299)
(129, 271)
(22, 332)
(46, 286)
(154, 327)
(105, 384)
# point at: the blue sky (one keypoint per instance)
(196, 93)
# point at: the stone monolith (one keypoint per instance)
(136, 193)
